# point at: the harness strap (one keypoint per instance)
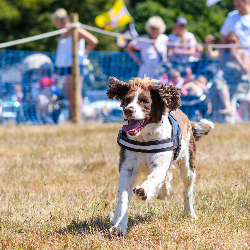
(176, 133)
(170, 144)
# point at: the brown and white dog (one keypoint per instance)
(146, 107)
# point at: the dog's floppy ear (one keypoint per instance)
(170, 95)
(173, 96)
(158, 105)
(117, 88)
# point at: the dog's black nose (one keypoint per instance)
(129, 111)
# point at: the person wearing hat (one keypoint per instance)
(152, 54)
(180, 34)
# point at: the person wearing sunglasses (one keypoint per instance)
(233, 64)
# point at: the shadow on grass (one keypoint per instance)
(100, 224)
(87, 226)
(138, 219)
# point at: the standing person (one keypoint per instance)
(181, 54)
(151, 53)
(64, 57)
(238, 21)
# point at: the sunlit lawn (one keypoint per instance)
(58, 186)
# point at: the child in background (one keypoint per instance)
(196, 87)
(18, 96)
(44, 99)
(192, 100)
(178, 81)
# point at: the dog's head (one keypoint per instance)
(143, 101)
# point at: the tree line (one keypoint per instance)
(25, 18)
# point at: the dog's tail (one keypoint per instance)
(202, 128)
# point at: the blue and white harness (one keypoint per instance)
(170, 144)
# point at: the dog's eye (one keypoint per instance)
(127, 100)
(144, 101)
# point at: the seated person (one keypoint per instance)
(196, 87)
(232, 64)
(192, 104)
(178, 81)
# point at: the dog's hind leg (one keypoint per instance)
(166, 187)
(125, 184)
(187, 174)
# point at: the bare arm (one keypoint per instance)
(170, 52)
(244, 60)
(190, 51)
(130, 49)
(188, 86)
(88, 37)
(211, 53)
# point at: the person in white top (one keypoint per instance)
(64, 57)
(180, 34)
(152, 54)
(238, 21)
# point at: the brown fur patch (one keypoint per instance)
(158, 107)
(186, 127)
(192, 153)
(145, 83)
(183, 121)
(140, 192)
(128, 89)
(145, 102)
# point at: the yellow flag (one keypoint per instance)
(117, 16)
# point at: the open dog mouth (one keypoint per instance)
(135, 126)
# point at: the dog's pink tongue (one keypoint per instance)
(133, 125)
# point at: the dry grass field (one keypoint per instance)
(58, 186)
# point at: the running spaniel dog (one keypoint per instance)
(155, 136)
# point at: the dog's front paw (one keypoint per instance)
(140, 193)
(118, 231)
